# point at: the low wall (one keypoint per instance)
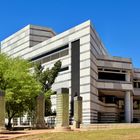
(110, 126)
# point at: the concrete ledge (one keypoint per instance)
(109, 126)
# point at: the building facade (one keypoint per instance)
(110, 86)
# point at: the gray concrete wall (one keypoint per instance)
(19, 43)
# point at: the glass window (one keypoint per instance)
(54, 56)
(64, 53)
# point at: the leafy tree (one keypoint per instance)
(18, 84)
(46, 77)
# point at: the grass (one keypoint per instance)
(117, 134)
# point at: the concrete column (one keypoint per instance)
(62, 109)
(131, 108)
(19, 121)
(40, 111)
(127, 76)
(77, 111)
(2, 111)
(127, 107)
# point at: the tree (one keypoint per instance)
(48, 104)
(18, 84)
(46, 78)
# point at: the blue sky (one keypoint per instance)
(116, 21)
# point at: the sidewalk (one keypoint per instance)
(15, 134)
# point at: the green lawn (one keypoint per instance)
(118, 134)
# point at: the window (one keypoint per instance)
(134, 84)
(63, 50)
(110, 99)
(138, 84)
(64, 69)
(64, 53)
(54, 56)
(46, 59)
(111, 76)
(112, 70)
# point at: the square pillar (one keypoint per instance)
(127, 101)
(2, 111)
(128, 76)
(131, 108)
(77, 111)
(40, 112)
(62, 109)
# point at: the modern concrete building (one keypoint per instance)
(110, 86)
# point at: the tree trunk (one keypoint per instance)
(9, 126)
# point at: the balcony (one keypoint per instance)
(114, 85)
(114, 62)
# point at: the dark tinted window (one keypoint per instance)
(49, 53)
(111, 76)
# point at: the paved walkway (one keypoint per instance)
(15, 134)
